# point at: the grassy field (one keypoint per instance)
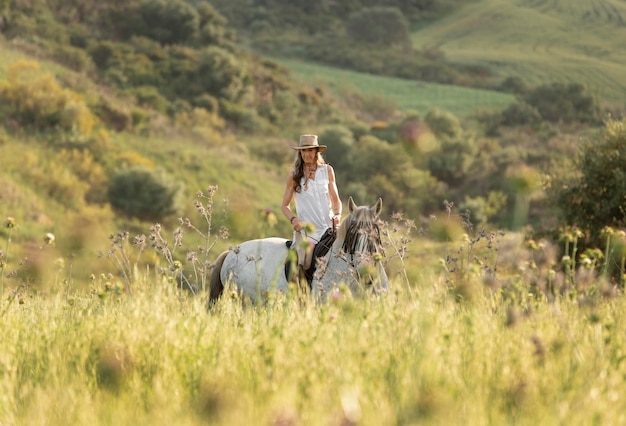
(540, 41)
(448, 344)
(160, 358)
(407, 95)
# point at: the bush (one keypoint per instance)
(443, 124)
(145, 194)
(149, 96)
(72, 57)
(566, 103)
(520, 114)
(379, 25)
(597, 196)
(37, 101)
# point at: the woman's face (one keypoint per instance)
(309, 155)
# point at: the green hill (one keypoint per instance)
(540, 41)
(406, 94)
(130, 102)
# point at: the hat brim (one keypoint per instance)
(321, 148)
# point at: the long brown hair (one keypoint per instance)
(298, 169)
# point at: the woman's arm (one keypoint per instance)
(286, 205)
(333, 192)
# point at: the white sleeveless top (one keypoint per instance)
(313, 204)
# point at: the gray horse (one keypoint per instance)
(256, 267)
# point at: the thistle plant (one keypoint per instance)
(401, 228)
(198, 259)
(570, 236)
(190, 270)
(478, 253)
(615, 253)
(119, 254)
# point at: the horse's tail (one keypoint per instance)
(216, 286)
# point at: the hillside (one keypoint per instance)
(85, 115)
(540, 41)
(406, 95)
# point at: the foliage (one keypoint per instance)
(559, 102)
(443, 124)
(483, 209)
(380, 26)
(597, 196)
(520, 114)
(168, 22)
(340, 156)
(36, 101)
(148, 194)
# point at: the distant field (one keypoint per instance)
(407, 94)
(541, 41)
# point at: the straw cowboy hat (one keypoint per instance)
(310, 141)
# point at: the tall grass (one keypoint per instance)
(160, 358)
(429, 351)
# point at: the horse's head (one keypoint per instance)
(359, 232)
(356, 256)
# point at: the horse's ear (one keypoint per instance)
(378, 207)
(351, 205)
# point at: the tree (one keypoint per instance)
(145, 193)
(566, 103)
(597, 196)
(168, 21)
(221, 73)
(384, 26)
(342, 142)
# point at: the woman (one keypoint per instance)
(311, 184)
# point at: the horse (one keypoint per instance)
(256, 267)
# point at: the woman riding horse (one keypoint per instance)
(256, 267)
(311, 184)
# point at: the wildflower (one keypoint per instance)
(49, 238)
(10, 222)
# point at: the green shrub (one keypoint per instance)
(37, 101)
(443, 124)
(520, 114)
(72, 57)
(149, 96)
(558, 102)
(221, 73)
(145, 193)
(384, 26)
(115, 114)
(341, 142)
(596, 197)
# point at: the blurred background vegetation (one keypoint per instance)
(113, 115)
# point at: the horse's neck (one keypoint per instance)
(338, 244)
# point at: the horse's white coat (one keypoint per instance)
(257, 266)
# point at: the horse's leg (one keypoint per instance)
(216, 287)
